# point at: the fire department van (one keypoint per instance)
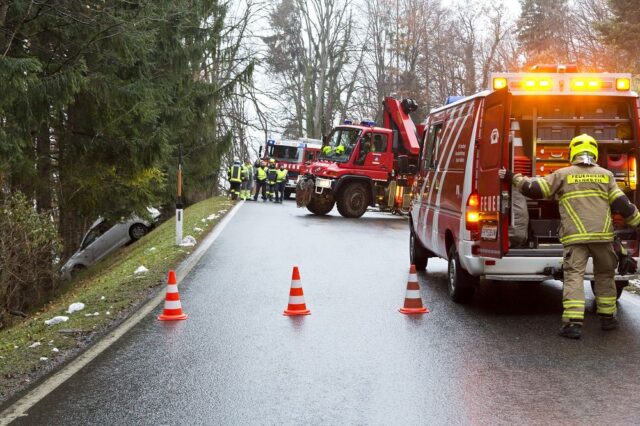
(294, 154)
(460, 209)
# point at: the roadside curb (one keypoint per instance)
(20, 407)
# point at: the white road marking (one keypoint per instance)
(21, 406)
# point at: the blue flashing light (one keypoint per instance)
(369, 123)
(301, 144)
(348, 121)
(271, 142)
(452, 99)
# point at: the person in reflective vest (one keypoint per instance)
(261, 181)
(281, 180)
(234, 175)
(272, 175)
(587, 194)
(247, 180)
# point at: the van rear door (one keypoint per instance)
(493, 193)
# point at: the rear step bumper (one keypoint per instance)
(525, 267)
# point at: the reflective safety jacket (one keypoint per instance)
(235, 173)
(586, 195)
(272, 174)
(281, 175)
(247, 172)
(261, 174)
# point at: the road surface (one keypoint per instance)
(355, 359)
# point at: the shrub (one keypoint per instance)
(29, 256)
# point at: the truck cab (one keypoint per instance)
(462, 212)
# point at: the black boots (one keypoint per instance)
(608, 322)
(571, 330)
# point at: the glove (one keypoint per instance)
(508, 175)
(627, 265)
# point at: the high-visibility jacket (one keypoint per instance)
(281, 175)
(586, 195)
(248, 172)
(272, 174)
(235, 173)
(261, 174)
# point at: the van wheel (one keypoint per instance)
(620, 285)
(461, 283)
(418, 255)
(137, 231)
(320, 205)
(353, 201)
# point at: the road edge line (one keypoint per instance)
(24, 404)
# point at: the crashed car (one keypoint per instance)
(105, 237)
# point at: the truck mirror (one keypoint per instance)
(403, 164)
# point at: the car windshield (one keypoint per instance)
(95, 232)
(285, 153)
(341, 144)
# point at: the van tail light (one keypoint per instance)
(632, 173)
(472, 216)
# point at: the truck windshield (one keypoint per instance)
(291, 154)
(341, 144)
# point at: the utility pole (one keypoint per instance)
(179, 203)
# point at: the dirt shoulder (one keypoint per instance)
(110, 291)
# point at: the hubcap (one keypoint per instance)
(357, 199)
(138, 232)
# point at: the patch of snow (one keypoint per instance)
(35, 344)
(212, 217)
(15, 347)
(95, 314)
(197, 229)
(50, 342)
(108, 313)
(75, 307)
(188, 241)
(203, 220)
(56, 350)
(56, 320)
(141, 270)
(102, 298)
(44, 358)
(152, 249)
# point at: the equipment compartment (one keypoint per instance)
(556, 133)
(556, 111)
(600, 133)
(604, 110)
(552, 152)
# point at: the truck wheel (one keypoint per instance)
(320, 206)
(461, 283)
(418, 255)
(620, 285)
(353, 201)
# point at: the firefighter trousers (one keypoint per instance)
(261, 185)
(605, 262)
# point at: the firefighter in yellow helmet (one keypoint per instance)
(586, 195)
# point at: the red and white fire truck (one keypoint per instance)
(364, 165)
(462, 212)
(295, 155)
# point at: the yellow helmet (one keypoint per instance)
(272, 160)
(583, 143)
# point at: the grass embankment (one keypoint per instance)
(110, 289)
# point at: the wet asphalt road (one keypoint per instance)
(355, 360)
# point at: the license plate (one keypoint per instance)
(489, 232)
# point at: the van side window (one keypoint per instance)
(431, 147)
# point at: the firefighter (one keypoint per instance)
(272, 174)
(247, 180)
(234, 175)
(281, 180)
(261, 181)
(586, 194)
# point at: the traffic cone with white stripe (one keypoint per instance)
(296, 296)
(172, 307)
(412, 299)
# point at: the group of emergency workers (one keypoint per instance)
(586, 194)
(269, 180)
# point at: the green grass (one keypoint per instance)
(109, 288)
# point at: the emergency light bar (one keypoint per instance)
(563, 83)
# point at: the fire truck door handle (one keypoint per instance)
(504, 208)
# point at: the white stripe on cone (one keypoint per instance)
(172, 288)
(296, 284)
(172, 304)
(413, 278)
(413, 294)
(296, 300)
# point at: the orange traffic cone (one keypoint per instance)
(412, 299)
(296, 296)
(172, 307)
